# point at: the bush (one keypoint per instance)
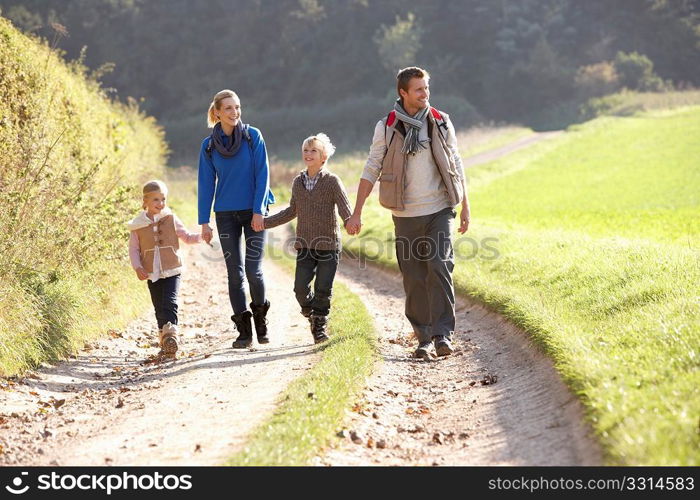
(637, 72)
(69, 162)
(596, 80)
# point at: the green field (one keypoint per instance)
(590, 243)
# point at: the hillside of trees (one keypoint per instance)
(301, 66)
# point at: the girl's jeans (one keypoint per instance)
(322, 265)
(230, 225)
(164, 298)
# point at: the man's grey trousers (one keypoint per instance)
(426, 259)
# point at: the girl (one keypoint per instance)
(315, 194)
(235, 175)
(153, 250)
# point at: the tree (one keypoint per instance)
(398, 44)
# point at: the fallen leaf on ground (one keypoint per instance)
(359, 408)
(356, 437)
(120, 403)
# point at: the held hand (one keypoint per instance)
(258, 223)
(141, 273)
(464, 220)
(354, 224)
(207, 233)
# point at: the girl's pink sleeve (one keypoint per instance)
(184, 234)
(134, 251)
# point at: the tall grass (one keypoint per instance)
(70, 159)
(628, 103)
(475, 140)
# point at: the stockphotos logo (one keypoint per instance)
(103, 482)
(16, 488)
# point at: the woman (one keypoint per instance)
(235, 175)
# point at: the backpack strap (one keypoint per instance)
(389, 128)
(440, 121)
(249, 139)
(209, 148)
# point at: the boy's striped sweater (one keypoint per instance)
(317, 227)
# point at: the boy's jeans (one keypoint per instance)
(319, 263)
(164, 297)
(230, 225)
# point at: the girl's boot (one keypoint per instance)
(168, 340)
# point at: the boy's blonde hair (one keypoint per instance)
(324, 141)
(216, 104)
(154, 186)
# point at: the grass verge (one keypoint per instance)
(55, 318)
(313, 407)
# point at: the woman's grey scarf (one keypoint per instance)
(236, 139)
(413, 124)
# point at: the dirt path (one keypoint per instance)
(496, 401)
(106, 407)
(495, 154)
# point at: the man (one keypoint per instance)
(414, 155)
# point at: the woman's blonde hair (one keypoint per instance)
(154, 186)
(324, 141)
(216, 104)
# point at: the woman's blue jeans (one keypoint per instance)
(230, 225)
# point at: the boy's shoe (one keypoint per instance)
(443, 346)
(260, 320)
(168, 340)
(423, 349)
(318, 328)
(245, 330)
